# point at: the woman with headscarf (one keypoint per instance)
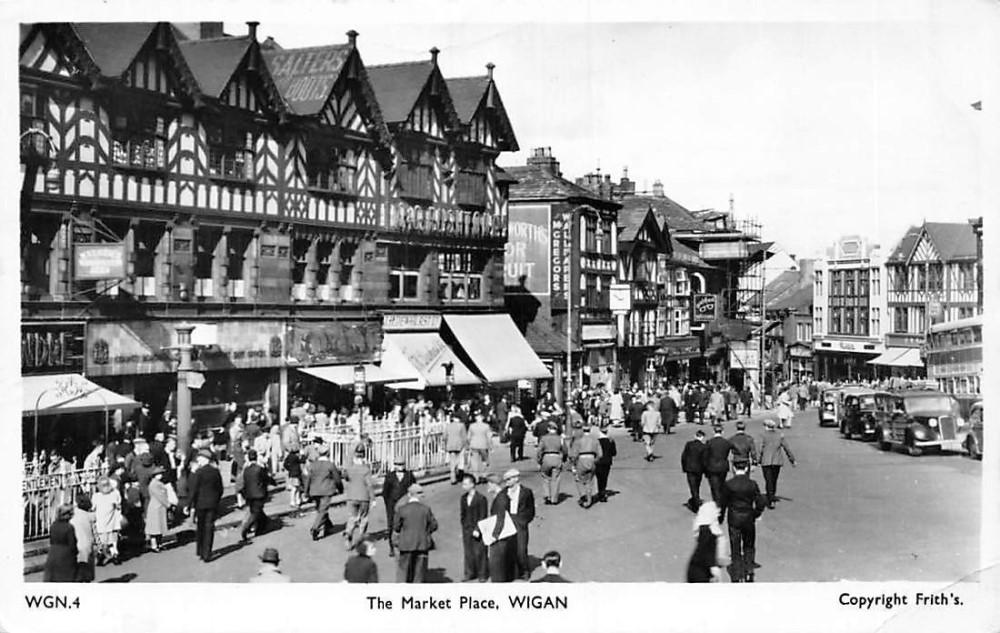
(704, 565)
(60, 563)
(156, 511)
(83, 529)
(107, 502)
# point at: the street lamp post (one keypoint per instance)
(360, 388)
(449, 379)
(184, 366)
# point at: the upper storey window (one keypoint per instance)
(230, 153)
(139, 141)
(415, 175)
(332, 169)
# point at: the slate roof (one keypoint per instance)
(113, 45)
(316, 68)
(685, 255)
(536, 183)
(800, 298)
(666, 210)
(467, 93)
(213, 61)
(630, 223)
(398, 86)
(545, 340)
(781, 287)
(953, 241)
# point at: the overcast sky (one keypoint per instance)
(819, 123)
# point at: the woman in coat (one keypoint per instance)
(156, 511)
(83, 528)
(704, 565)
(773, 448)
(785, 409)
(60, 563)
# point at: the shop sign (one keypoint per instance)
(744, 355)
(145, 347)
(334, 342)
(92, 262)
(527, 251)
(600, 332)
(562, 248)
(620, 296)
(51, 348)
(705, 307)
(410, 322)
(449, 222)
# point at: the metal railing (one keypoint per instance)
(43, 493)
(422, 446)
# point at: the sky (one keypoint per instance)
(818, 118)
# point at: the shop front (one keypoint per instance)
(237, 361)
(842, 359)
(599, 364)
(674, 357)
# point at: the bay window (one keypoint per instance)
(139, 141)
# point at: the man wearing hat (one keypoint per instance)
(773, 450)
(717, 462)
(551, 454)
(269, 571)
(585, 452)
(693, 465)
(456, 443)
(415, 524)
(205, 489)
(323, 482)
(744, 447)
(473, 508)
(359, 493)
(255, 482)
(394, 488)
(742, 500)
(480, 440)
(521, 504)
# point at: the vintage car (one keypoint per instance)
(922, 419)
(829, 402)
(864, 411)
(974, 440)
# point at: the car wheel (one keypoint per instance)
(972, 446)
(882, 444)
(911, 449)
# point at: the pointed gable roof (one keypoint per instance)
(305, 76)
(469, 94)
(398, 86)
(632, 221)
(952, 240)
(905, 247)
(214, 61)
(113, 45)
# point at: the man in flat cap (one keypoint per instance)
(205, 495)
(394, 490)
(415, 524)
(742, 501)
(323, 482)
(521, 504)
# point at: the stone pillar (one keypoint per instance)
(220, 264)
(312, 267)
(59, 261)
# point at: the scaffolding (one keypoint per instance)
(750, 300)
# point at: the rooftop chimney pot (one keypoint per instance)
(489, 70)
(252, 29)
(434, 54)
(352, 37)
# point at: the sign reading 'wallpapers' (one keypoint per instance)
(527, 251)
(562, 249)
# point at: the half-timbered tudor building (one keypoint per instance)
(282, 200)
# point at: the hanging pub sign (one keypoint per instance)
(93, 262)
(51, 348)
(334, 342)
(705, 307)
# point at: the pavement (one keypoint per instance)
(847, 511)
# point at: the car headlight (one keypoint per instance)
(919, 433)
(933, 423)
(961, 421)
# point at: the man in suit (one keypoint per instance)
(585, 451)
(693, 465)
(635, 410)
(205, 495)
(517, 428)
(359, 494)
(744, 447)
(256, 479)
(323, 482)
(717, 462)
(521, 504)
(551, 453)
(552, 560)
(480, 439)
(668, 413)
(455, 442)
(393, 490)
(415, 523)
(742, 500)
(473, 508)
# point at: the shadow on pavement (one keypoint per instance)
(229, 549)
(129, 577)
(437, 575)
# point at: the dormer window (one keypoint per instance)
(139, 141)
(230, 153)
(332, 169)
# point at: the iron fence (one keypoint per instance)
(43, 493)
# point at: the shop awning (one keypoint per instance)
(909, 358)
(496, 347)
(393, 368)
(427, 354)
(68, 393)
(891, 353)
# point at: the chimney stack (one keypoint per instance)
(252, 29)
(434, 54)
(542, 157)
(489, 71)
(352, 38)
(658, 189)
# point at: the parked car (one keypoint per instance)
(974, 440)
(842, 394)
(864, 412)
(922, 419)
(829, 402)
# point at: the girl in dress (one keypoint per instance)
(107, 502)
